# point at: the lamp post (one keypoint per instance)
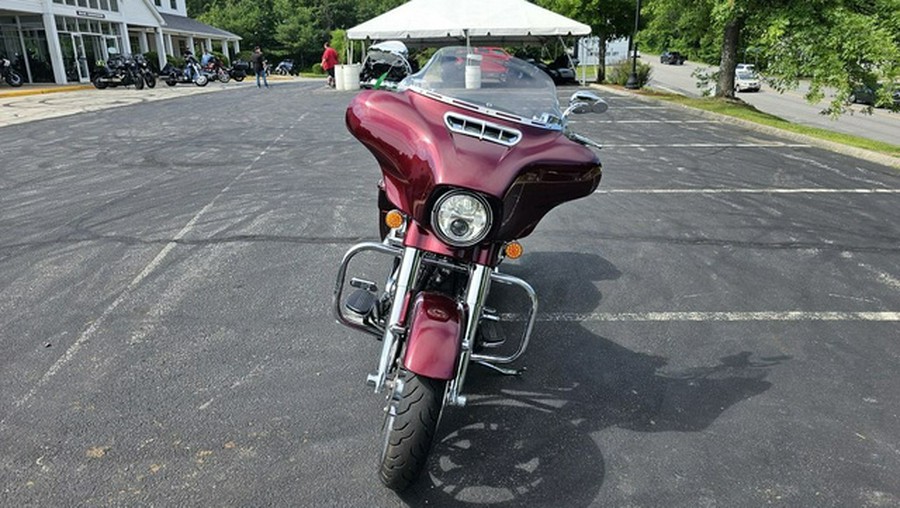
(633, 83)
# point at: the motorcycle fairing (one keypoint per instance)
(418, 154)
(436, 326)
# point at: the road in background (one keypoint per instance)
(881, 125)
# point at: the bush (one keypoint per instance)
(317, 69)
(619, 72)
(176, 61)
(153, 61)
(221, 56)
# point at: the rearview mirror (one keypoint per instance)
(584, 101)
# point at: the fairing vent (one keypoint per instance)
(482, 130)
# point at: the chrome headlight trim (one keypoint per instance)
(465, 209)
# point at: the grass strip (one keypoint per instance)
(744, 111)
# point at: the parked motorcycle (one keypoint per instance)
(285, 67)
(385, 65)
(216, 71)
(118, 70)
(9, 74)
(238, 70)
(469, 166)
(143, 67)
(173, 75)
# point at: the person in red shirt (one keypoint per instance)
(329, 60)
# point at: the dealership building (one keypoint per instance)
(60, 41)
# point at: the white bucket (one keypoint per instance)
(339, 77)
(473, 71)
(351, 77)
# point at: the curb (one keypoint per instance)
(38, 91)
(859, 153)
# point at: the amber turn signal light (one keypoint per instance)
(513, 250)
(393, 219)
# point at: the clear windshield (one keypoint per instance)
(490, 80)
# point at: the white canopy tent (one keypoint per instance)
(420, 23)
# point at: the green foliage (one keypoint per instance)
(834, 45)
(152, 58)
(619, 72)
(317, 68)
(608, 19)
(177, 61)
(339, 41)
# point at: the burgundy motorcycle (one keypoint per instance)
(469, 166)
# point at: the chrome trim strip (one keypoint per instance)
(458, 123)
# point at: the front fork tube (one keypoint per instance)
(406, 279)
(476, 294)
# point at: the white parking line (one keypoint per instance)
(646, 121)
(709, 145)
(92, 329)
(748, 191)
(709, 316)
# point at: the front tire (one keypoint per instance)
(14, 79)
(409, 429)
(150, 80)
(201, 80)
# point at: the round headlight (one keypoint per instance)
(461, 218)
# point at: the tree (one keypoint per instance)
(253, 20)
(834, 44)
(609, 20)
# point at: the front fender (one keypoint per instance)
(435, 335)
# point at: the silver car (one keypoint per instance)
(745, 81)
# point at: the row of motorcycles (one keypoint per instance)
(121, 70)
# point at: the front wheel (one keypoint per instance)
(239, 78)
(201, 80)
(223, 76)
(98, 82)
(150, 80)
(13, 78)
(409, 428)
(138, 81)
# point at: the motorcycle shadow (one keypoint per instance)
(530, 440)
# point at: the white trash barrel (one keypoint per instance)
(339, 77)
(473, 71)
(351, 76)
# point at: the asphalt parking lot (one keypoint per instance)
(718, 323)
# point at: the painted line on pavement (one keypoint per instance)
(709, 145)
(709, 316)
(748, 191)
(89, 332)
(647, 121)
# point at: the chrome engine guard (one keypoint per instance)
(480, 278)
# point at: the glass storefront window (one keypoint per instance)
(114, 5)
